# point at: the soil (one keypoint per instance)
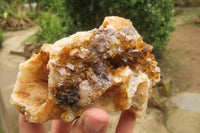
(9, 65)
(181, 62)
(185, 52)
(180, 66)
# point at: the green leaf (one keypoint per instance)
(5, 15)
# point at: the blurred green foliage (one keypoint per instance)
(50, 28)
(16, 14)
(13, 8)
(31, 38)
(54, 21)
(1, 38)
(198, 13)
(152, 18)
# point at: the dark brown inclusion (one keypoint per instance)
(68, 96)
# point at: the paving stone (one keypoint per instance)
(188, 101)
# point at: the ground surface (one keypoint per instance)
(184, 72)
(181, 66)
(9, 65)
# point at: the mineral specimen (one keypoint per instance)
(110, 68)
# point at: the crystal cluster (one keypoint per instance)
(110, 68)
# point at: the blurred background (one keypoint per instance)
(171, 26)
